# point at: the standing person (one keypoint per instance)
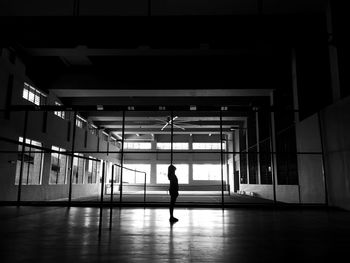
(173, 190)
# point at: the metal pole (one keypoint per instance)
(101, 201)
(111, 202)
(112, 184)
(144, 190)
(323, 161)
(222, 163)
(103, 182)
(122, 161)
(272, 134)
(172, 138)
(71, 160)
(22, 158)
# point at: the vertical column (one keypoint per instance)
(295, 86)
(273, 147)
(153, 179)
(257, 145)
(222, 162)
(172, 138)
(122, 160)
(333, 57)
(320, 127)
(22, 157)
(247, 147)
(190, 160)
(71, 160)
(103, 181)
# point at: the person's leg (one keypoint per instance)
(171, 208)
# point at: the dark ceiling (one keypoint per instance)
(162, 45)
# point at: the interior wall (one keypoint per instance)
(336, 130)
(310, 170)
(56, 133)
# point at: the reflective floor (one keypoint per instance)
(57, 234)
(184, 198)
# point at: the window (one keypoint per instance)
(60, 114)
(105, 136)
(78, 169)
(92, 128)
(33, 95)
(137, 145)
(92, 171)
(80, 122)
(176, 146)
(181, 173)
(211, 172)
(58, 171)
(208, 146)
(133, 177)
(32, 163)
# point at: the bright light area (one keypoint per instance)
(33, 95)
(176, 146)
(133, 177)
(60, 114)
(137, 145)
(207, 172)
(181, 173)
(208, 146)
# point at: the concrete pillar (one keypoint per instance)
(295, 86)
(257, 146)
(333, 57)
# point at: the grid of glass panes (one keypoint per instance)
(59, 165)
(32, 166)
(80, 122)
(33, 95)
(78, 169)
(136, 176)
(137, 145)
(176, 146)
(181, 172)
(92, 171)
(92, 128)
(60, 114)
(207, 172)
(208, 146)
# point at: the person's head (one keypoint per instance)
(171, 170)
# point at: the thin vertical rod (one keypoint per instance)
(112, 185)
(172, 137)
(272, 134)
(22, 157)
(103, 182)
(28, 167)
(222, 163)
(323, 159)
(72, 159)
(111, 202)
(144, 190)
(258, 146)
(122, 161)
(101, 201)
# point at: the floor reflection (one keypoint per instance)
(146, 235)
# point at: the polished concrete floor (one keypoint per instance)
(79, 234)
(183, 199)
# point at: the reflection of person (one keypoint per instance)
(173, 190)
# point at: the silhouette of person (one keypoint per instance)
(173, 190)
